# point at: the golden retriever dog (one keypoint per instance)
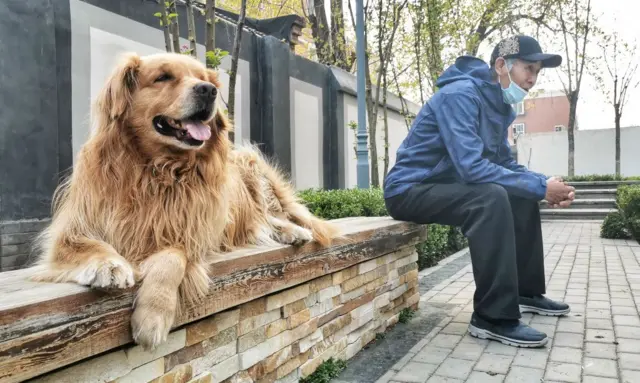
(158, 188)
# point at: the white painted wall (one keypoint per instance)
(397, 132)
(594, 152)
(306, 135)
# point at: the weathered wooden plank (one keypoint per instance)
(53, 329)
(34, 354)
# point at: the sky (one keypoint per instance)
(594, 109)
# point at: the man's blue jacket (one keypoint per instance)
(461, 135)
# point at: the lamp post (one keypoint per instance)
(362, 152)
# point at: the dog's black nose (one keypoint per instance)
(205, 91)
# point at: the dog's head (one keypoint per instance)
(164, 100)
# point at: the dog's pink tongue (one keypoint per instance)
(197, 130)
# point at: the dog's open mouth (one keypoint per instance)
(192, 132)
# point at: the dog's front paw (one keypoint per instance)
(107, 273)
(296, 235)
(150, 329)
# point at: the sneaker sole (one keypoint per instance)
(486, 334)
(539, 311)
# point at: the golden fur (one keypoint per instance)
(143, 208)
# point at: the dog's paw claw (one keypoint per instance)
(110, 273)
(150, 330)
(297, 236)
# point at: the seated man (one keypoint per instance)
(455, 168)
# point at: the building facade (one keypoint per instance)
(544, 111)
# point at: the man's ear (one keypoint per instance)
(115, 97)
(500, 65)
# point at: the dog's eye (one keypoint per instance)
(164, 77)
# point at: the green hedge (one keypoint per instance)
(600, 177)
(625, 222)
(341, 203)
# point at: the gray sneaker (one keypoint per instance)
(542, 305)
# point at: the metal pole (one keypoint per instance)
(362, 150)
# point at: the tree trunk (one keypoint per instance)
(386, 126)
(573, 104)
(434, 51)
(617, 117)
(234, 64)
(321, 33)
(372, 117)
(341, 57)
(165, 27)
(175, 30)
(191, 24)
(210, 26)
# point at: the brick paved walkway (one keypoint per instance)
(598, 342)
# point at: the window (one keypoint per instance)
(519, 108)
(518, 129)
(558, 128)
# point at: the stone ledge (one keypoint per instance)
(44, 327)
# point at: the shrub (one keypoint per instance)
(341, 203)
(628, 201)
(432, 250)
(457, 240)
(600, 177)
(614, 227)
(329, 369)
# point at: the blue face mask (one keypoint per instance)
(514, 93)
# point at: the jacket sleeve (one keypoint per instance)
(458, 118)
(510, 163)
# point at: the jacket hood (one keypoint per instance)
(469, 68)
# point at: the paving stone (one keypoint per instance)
(469, 349)
(626, 320)
(533, 358)
(463, 317)
(628, 361)
(595, 305)
(601, 367)
(600, 350)
(500, 349)
(599, 297)
(629, 345)
(541, 319)
(602, 336)
(627, 332)
(629, 376)
(622, 302)
(415, 372)
(494, 363)
(598, 379)
(598, 314)
(600, 324)
(564, 372)
(622, 310)
(455, 368)
(431, 354)
(446, 340)
(483, 377)
(566, 355)
(519, 374)
(565, 339)
(443, 379)
(455, 328)
(574, 327)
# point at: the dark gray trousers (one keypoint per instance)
(504, 233)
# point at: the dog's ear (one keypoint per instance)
(115, 97)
